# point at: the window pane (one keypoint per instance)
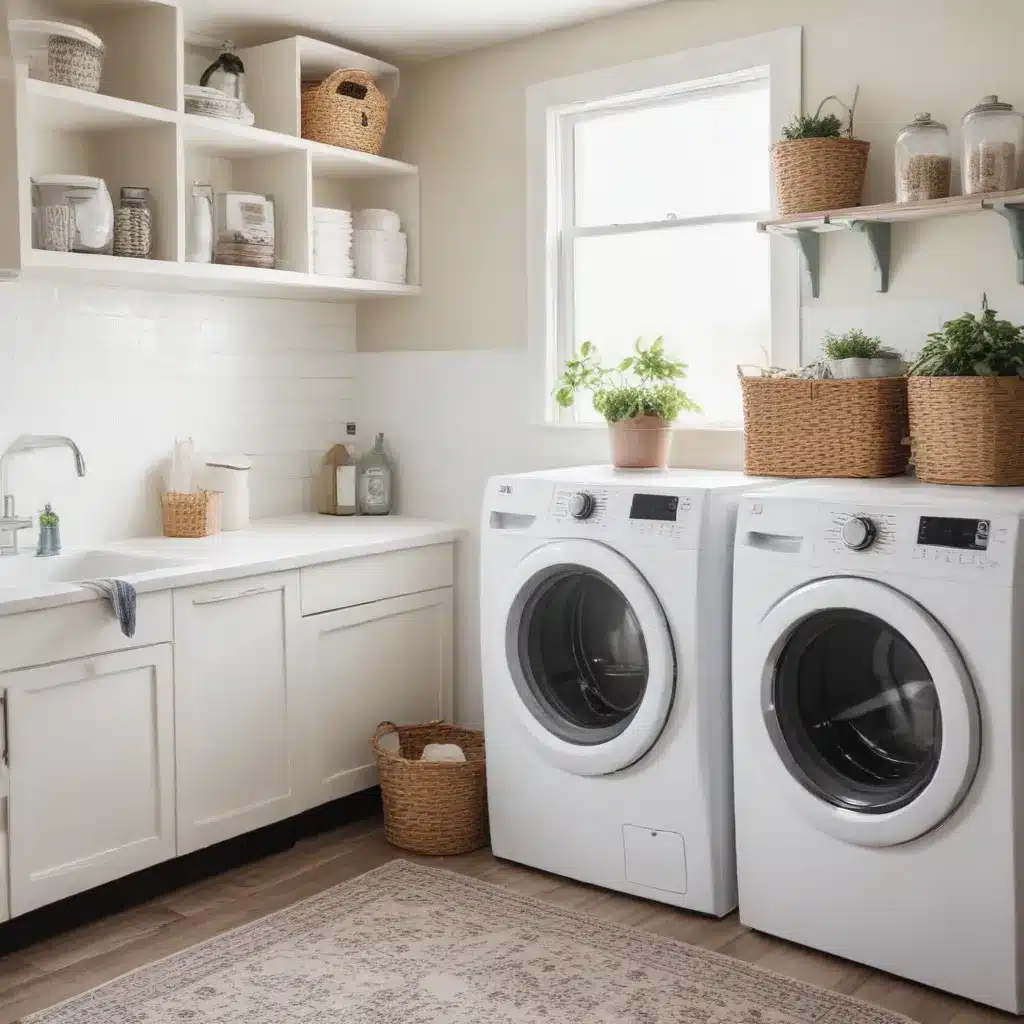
(705, 153)
(705, 288)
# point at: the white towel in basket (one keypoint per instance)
(442, 752)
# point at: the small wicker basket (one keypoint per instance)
(819, 174)
(437, 808)
(192, 515)
(346, 109)
(968, 430)
(74, 62)
(827, 428)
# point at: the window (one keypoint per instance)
(645, 185)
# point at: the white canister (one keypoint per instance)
(230, 474)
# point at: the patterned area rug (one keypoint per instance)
(411, 945)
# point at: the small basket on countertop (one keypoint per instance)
(191, 515)
(437, 808)
(346, 109)
(825, 428)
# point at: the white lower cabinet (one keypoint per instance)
(234, 648)
(388, 659)
(91, 755)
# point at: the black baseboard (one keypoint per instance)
(163, 878)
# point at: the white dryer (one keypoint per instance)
(605, 602)
(878, 695)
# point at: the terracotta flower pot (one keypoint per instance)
(641, 443)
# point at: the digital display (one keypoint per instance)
(661, 507)
(971, 534)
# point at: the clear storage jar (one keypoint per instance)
(993, 143)
(924, 160)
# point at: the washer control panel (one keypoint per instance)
(648, 515)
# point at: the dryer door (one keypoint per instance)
(870, 709)
(590, 654)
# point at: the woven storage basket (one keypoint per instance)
(819, 174)
(968, 430)
(192, 515)
(433, 807)
(836, 428)
(74, 62)
(346, 109)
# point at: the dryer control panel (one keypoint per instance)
(645, 515)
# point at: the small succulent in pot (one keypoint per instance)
(638, 398)
(855, 355)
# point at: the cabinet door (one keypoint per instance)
(231, 661)
(90, 747)
(386, 660)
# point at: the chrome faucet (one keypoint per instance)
(9, 521)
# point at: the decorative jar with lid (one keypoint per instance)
(993, 143)
(924, 160)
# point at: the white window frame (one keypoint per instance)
(553, 108)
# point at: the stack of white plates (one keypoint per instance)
(332, 242)
(381, 248)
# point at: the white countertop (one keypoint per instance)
(268, 545)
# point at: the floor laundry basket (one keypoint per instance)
(433, 807)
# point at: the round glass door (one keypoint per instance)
(583, 657)
(591, 665)
(858, 712)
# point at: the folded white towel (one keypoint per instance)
(390, 742)
(442, 752)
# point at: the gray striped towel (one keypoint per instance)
(121, 596)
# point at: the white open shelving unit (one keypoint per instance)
(135, 132)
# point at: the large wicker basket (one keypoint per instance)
(831, 428)
(819, 174)
(433, 807)
(968, 430)
(346, 109)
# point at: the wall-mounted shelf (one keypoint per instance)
(134, 131)
(875, 223)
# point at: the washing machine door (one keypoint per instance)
(870, 710)
(590, 655)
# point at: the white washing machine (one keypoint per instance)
(878, 695)
(605, 602)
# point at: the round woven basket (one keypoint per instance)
(819, 174)
(968, 430)
(346, 109)
(437, 808)
(836, 428)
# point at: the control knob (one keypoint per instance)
(859, 533)
(581, 505)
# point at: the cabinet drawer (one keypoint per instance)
(326, 588)
(79, 631)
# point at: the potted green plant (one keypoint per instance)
(638, 397)
(818, 164)
(854, 354)
(966, 399)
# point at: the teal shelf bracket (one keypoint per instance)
(810, 245)
(879, 236)
(1015, 218)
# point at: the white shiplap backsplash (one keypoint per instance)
(125, 372)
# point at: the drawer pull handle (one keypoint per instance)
(251, 592)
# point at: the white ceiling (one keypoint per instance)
(393, 29)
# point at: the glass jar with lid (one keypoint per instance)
(133, 224)
(993, 145)
(924, 160)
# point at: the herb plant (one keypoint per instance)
(856, 344)
(814, 126)
(640, 385)
(973, 346)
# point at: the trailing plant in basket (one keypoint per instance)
(973, 346)
(815, 126)
(856, 344)
(640, 385)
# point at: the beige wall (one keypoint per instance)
(461, 120)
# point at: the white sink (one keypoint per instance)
(27, 570)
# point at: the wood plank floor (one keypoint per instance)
(68, 964)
